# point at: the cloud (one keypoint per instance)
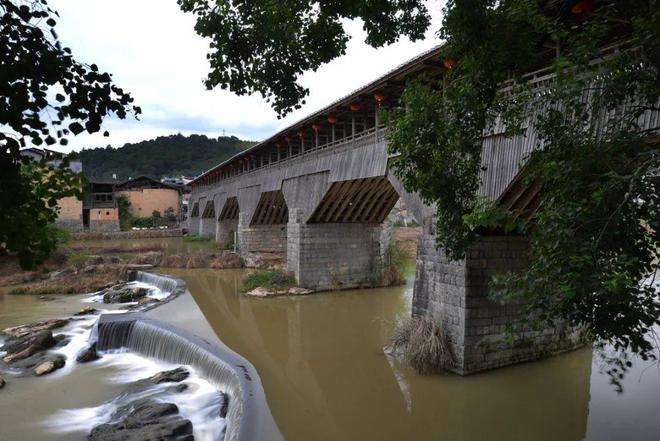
(152, 51)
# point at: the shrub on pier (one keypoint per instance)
(422, 344)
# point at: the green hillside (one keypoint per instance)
(164, 156)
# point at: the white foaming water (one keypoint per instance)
(154, 293)
(200, 402)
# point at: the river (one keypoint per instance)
(326, 377)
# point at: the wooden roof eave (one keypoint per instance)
(396, 75)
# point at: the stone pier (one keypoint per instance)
(455, 294)
(270, 238)
(329, 256)
(225, 231)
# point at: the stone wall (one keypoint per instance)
(132, 234)
(455, 295)
(261, 238)
(335, 255)
(72, 225)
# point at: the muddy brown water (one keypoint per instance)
(325, 375)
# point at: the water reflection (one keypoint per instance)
(326, 377)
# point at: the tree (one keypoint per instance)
(264, 46)
(595, 235)
(45, 95)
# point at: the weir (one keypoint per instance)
(248, 417)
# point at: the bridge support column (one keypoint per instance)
(454, 293)
(270, 238)
(327, 256)
(225, 231)
(206, 227)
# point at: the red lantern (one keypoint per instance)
(316, 128)
(355, 107)
(583, 7)
(449, 63)
(301, 133)
(332, 119)
(379, 97)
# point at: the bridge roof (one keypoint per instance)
(399, 72)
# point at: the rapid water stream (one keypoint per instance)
(69, 402)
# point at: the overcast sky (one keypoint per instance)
(152, 51)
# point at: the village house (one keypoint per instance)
(148, 195)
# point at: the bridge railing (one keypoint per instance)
(360, 139)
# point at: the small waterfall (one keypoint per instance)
(167, 284)
(135, 332)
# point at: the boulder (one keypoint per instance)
(49, 366)
(88, 354)
(172, 376)
(147, 301)
(44, 325)
(260, 291)
(178, 388)
(24, 347)
(86, 311)
(124, 293)
(144, 419)
(298, 291)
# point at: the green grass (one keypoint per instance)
(273, 279)
(195, 238)
(78, 257)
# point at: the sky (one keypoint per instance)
(153, 52)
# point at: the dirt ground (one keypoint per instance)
(406, 238)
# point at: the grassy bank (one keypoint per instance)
(273, 280)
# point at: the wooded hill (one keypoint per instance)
(172, 155)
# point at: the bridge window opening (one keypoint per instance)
(271, 209)
(367, 200)
(195, 210)
(230, 210)
(209, 210)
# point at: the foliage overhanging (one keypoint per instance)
(45, 95)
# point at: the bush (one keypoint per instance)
(61, 236)
(273, 280)
(397, 265)
(423, 345)
(125, 217)
(78, 258)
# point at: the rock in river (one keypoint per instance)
(44, 325)
(26, 346)
(88, 354)
(49, 366)
(2, 382)
(123, 293)
(144, 420)
(173, 376)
